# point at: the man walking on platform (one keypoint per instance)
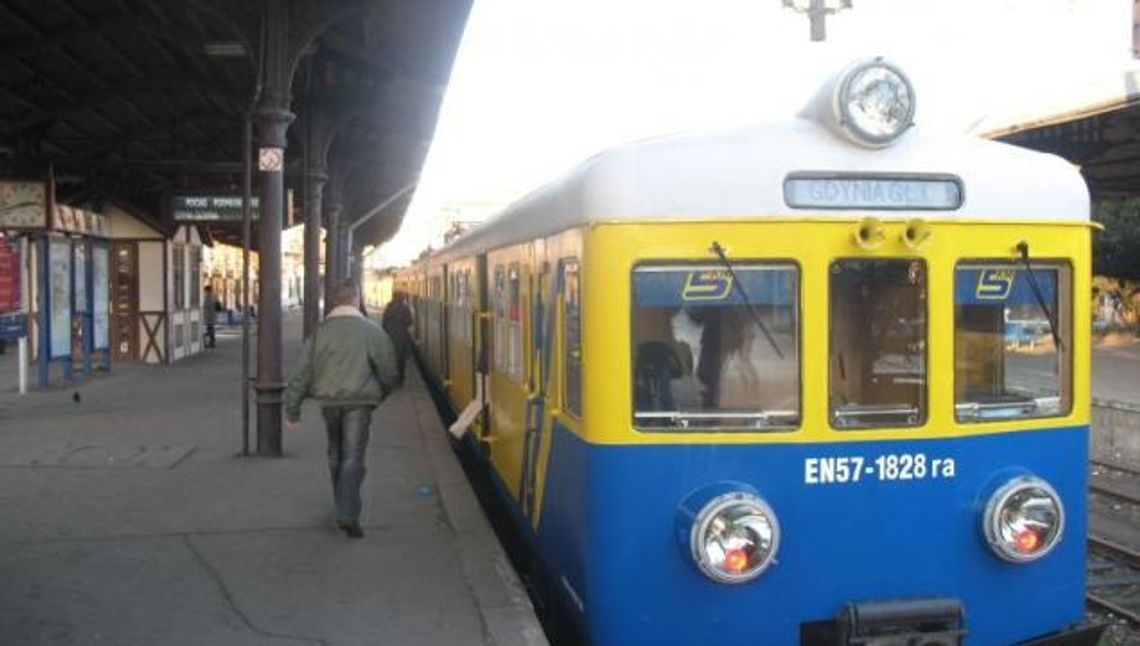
(396, 320)
(348, 365)
(210, 315)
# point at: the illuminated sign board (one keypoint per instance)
(880, 193)
(210, 208)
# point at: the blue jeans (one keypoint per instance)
(347, 429)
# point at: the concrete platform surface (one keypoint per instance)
(128, 518)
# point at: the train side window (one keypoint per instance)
(1012, 340)
(878, 343)
(500, 316)
(463, 305)
(514, 327)
(707, 358)
(571, 338)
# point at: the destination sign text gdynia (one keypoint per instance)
(880, 193)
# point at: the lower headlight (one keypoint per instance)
(1024, 520)
(735, 537)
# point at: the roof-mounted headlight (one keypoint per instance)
(873, 103)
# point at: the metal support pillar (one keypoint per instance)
(315, 186)
(273, 119)
(344, 252)
(333, 210)
(356, 266)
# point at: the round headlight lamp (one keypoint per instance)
(874, 103)
(735, 537)
(1024, 520)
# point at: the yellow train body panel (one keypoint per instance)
(813, 245)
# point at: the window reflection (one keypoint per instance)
(1006, 362)
(700, 358)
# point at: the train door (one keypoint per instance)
(542, 320)
(445, 313)
(509, 379)
(482, 349)
(460, 336)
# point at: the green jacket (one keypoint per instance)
(348, 361)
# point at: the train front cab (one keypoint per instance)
(874, 503)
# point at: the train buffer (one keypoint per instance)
(130, 520)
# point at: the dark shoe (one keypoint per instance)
(353, 530)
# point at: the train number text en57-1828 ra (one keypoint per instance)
(888, 467)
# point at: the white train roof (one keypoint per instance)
(740, 174)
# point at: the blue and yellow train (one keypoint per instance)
(823, 381)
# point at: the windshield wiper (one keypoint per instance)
(1023, 248)
(719, 250)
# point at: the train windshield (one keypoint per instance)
(878, 343)
(716, 347)
(1007, 362)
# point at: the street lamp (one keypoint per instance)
(816, 11)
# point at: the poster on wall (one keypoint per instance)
(80, 278)
(101, 307)
(10, 276)
(60, 259)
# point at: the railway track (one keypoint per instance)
(1113, 584)
(1114, 579)
(1127, 467)
(1125, 489)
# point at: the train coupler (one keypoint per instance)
(912, 622)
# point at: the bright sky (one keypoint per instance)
(539, 85)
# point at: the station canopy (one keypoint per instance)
(1096, 127)
(133, 101)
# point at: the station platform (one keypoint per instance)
(127, 517)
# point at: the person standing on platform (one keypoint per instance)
(348, 365)
(396, 320)
(210, 316)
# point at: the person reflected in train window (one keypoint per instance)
(687, 333)
(700, 329)
(348, 365)
(656, 366)
(397, 320)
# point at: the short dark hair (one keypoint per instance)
(345, 293)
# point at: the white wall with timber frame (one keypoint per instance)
(139, 276)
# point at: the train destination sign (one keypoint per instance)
(210, 208)
(879, 193)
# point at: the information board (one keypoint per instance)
(101, 307)
(59, 256)
(80, 278)
(210, 208)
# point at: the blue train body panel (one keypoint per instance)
(608, 532)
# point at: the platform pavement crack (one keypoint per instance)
(232, 603)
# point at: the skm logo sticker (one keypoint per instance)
(995, 284)
(707, 286)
